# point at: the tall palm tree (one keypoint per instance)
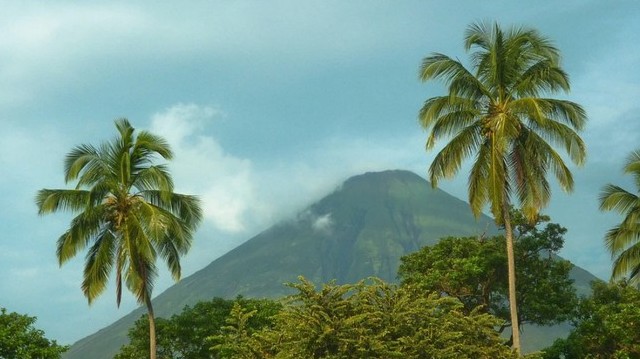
(126, 213)
(623, 240)
(497, 114)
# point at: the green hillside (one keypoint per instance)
(361, 229)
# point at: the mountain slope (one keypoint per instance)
(359, 230)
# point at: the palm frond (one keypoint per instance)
(83, 229)
(479, 181)
(615, 198)
(561, 135)
(499, 188)
(620, 237)
(140, 279)
(632, 167)
(542, 76)
(627, 262)
(460, 81)
(529, 164)
(54, 200)
(98, 265)
(155, 177)
(126, 132)
(549, 158)
(566, 112)
(142, 256)
(186, 207)
(479, 34)
(79, 158)
(148, 144)
(171, 254)
(448, 161)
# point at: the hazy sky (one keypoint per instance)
(268, 106)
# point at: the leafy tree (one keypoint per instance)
(139, 340)
(371, 319)
(185, 335)
(606, 325)
(126, 213)
(623, 240)
(239, 339)
(498, 114)
(474, 270)
(20, 339)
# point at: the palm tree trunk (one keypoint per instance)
(152, 328)
(513, 307)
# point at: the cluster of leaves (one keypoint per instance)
(606, 325)
(370, 319)
(185, 335)
(20, 339)
(474, 270)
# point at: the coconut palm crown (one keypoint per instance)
(496, 114)
(126, 213)
(499, 115)
(623, 240)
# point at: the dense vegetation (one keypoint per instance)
(606, 325)
(474, 270)
(20, 339)
(369, 319)
(185, 335)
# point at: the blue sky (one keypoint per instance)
(268, 106)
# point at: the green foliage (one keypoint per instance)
(185, 335)
(370, 319)
(126, 213)
(474, 270)
(498, 113)
(606, 325)
(20, 339)
(239, 339)
(623, 240)
(139, 340)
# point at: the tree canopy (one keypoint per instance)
(474, 270)
(186, 335)
(371, 319)
(606, 325)
(19, 338)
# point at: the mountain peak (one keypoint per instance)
(385, 177)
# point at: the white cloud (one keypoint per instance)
(323, 224)
(224, 182)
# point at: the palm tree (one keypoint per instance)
(497, 114)
(126, 213)
(623, 240)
